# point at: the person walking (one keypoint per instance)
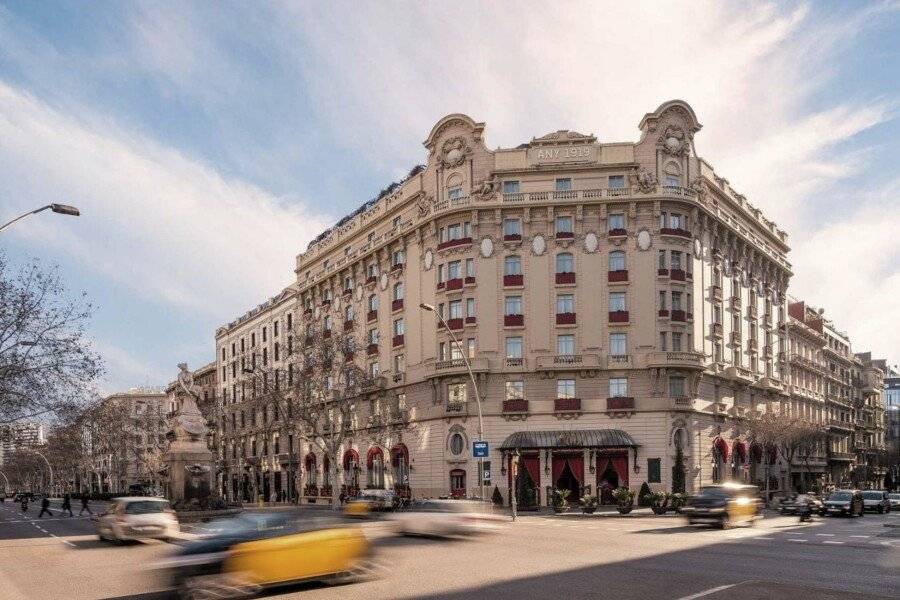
(45, 507)
(67, 504)
(24, 503)
(85, 499)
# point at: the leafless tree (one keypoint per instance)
(46, 364)
(789, 436)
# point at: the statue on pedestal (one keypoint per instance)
(188, 458)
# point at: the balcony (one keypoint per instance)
(620, 403)
(841, 456)
(397, 341)
(663, 313)
(347, 293)
(471, 320)
(455, 406)
(567, 362)
(512, 237)
(348, 325)
(567, 405)
(735, 302)
(372, 349)
(469, 281)
(397, 268)
(371, 315)
(397, 305)
(513, 280)
(515, 362)
(454, 284)
(716, 292)
(455, 324)
(565, 278)
(716, 329)
(618, 361)
(679, 316)
(618, 316)
(662, 272)
(514, 320)
(674, 231)
(617, 276)
(677, 275)
(682, 403)
(371, 279)
(842, 425)
(453, 243)
(565, 235)
(681, 360)
(565, 318)
(457, 366)
(326, 302)
(515, 406)
(617, 232)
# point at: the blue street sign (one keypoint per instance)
(480, 449)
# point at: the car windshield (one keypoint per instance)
(146, 507)
(894, 496)
(714, 492)
(840, 496)
(873, 495)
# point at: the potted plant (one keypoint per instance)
(659, 502)
(677, 501)
(644, 495)
(589, 504)
(560, 500)
(624, 500)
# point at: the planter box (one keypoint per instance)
(371, 315)
(565, 278)
(454, 284)
(396, 305)
(675, 231)
(513, 280)
(372, 349)
(397, 341)
(514, 320)
(565, 318)
(617, 275)
(456, 242)
(618, 316)
(620, 403)
(567, 404)
(617, 232)
(455, 323)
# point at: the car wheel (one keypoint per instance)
(880, 510)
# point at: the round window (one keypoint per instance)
(456, 444)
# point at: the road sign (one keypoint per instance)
(480, 449)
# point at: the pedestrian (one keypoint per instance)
(84, 505)
(45, 507)
(24, 503)
(67, 504)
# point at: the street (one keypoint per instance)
(539, 556)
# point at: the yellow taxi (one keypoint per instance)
(724, 505)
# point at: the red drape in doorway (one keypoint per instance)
(620, 466)
(559, 465)
(602, 463)
(576, 465)
(533, 466)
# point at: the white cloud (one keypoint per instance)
(158, 222)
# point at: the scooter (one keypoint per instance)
(805, 513)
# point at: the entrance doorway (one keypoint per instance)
(457, 483)
(568, 472)
(606, 483)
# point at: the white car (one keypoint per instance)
(442, 518)
(134, 518)
(894, 499)
(876, 501)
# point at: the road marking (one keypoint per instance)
(796, 540)
(763, 538)
(826, 534)
(860, 536)
(831, 542)
(708, 592)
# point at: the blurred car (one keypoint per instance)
(137, 517)
(844, 502)
(894, 499)
(876, 501)
(369, 501)
(724, 505)
(252, 552)
(789, 505)
(445, 518)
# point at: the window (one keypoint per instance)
(565, 345)
(290, 321)
(348, 313)
(616, 301)
(565, 303)
(470, 307)
(661, 263)
(277, 357)
(675, 221)
(372, 270)
(399, 364)
(275, 329)
(515, 390)
(514, 347)
(395, 223)
(676, 386)
(513, 305)
(398, 327)
(617, 221)
(672, 181)
(616, 260)
(453, 270)
(512, 227)
(654, 470)
(456, 309)
(373, 302)
(512, 265)
(440, 274)
(565, 263)
(617, 344)
(565, 388)
(616, 181)
(455, 351)
(563, 225)
(457, 444)
(373, 336)
(470, 347)
(510, 187)
(470, 267)
(563, 184)
(676, 300)
(662, 340)
(662, 300)
(265, 357)
(618, 387)
(454, 232)
(397, 257)
(398, 292)
(374, 369)
(676, 341)
(454, 192)
(253, 340)
(676, 260)
(456, 392)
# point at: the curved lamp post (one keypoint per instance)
(62, 209)
(443, 323)
(49, 466)
(6, 479)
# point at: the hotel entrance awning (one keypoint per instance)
(573, 438)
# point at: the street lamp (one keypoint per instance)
(61, 209)
(6, 479)
(431, 308)
(49, 466)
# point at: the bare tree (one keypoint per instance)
(46, 364)
(786, 435)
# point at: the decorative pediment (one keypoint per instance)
(563, 136)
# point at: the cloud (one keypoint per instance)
(158, 222)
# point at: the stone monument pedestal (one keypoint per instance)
(191, 472)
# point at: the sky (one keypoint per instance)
(207, 143)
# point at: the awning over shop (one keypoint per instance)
(574, 438)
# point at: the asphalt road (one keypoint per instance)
(569, 556)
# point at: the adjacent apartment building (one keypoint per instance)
(19, 436)
(621, 307)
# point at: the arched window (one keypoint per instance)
(351, 468)
(616, 260)
(375, 464)
(311, 469)
(400, 462)
(565, 263)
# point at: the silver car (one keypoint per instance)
(894, 499)
(137, 517)
(876, 501)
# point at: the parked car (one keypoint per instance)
(369, 501)
(724, 505)
(894, 499)
(137, 517)
(876, 501)
(446, 518)
(252, 552)
(844, 502)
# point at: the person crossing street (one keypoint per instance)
(85, 499)
(45, 507)
(67, 504)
